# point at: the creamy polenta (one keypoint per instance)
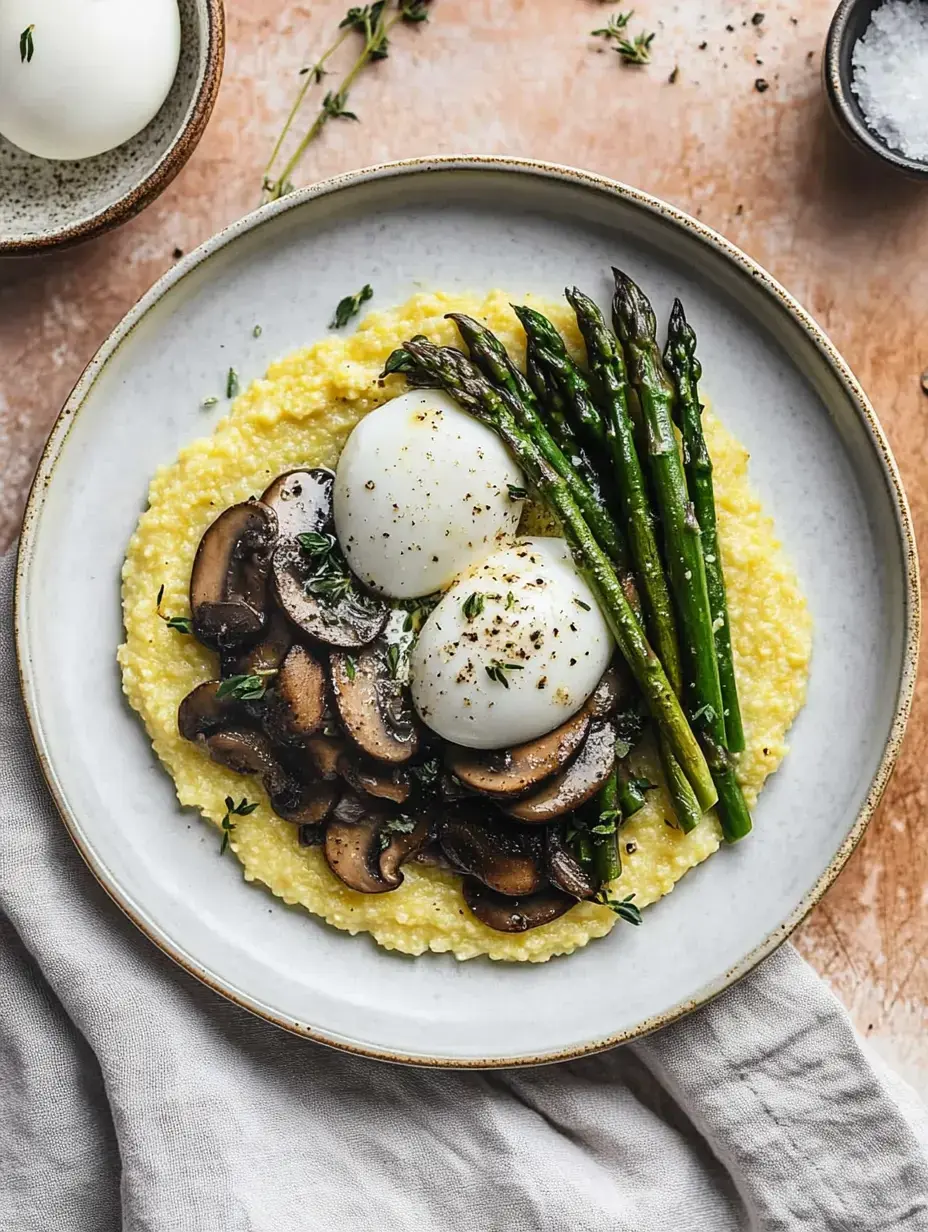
(300, 414)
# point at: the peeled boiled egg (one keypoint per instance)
(513, 649)
(78, 77)
(422, 491)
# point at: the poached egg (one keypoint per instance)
(423, 491)
(513, 649)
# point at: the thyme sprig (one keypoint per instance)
(180, 624)
(249, 687)
(497, 670)
(26, 45)
(242, 809)
(350, 306)
(624, 908)
(373, 22)
(633, 51)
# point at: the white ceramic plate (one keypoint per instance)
(819, 461)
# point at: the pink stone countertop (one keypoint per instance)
(764, 167)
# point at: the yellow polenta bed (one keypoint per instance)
(300, 415)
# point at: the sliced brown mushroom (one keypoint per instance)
(352, 808)
(366, 855)
(614, 687)
(295, 705)
(564, 870)
(512, 772)
(345, 616)
(324, 753)
(507, 858)
(302, 501)
(375, 780)
(373, 706)
(432, 856)
(575, 785)
(515, 915)
(402, 847)
(245, 752)
(250, 752)
(228, 584)
(266, 655)
(202, 713)
(304, 803)
(351, 852)
(311, 835)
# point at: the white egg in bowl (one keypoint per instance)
(56, 195)
(513, 649)
(423, 491)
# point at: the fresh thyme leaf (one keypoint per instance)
(314, 544)
(510, 600)
(427, 774)
(399, 361)
(608, 819)
(208, 402)
(579, 602)
(242, 809)
(418, 611)
(334, 107)
(473, 605)
(351, 666)
(516, 493)
(245, 688)
(414, 11)
(396, 825)
(350, 306)
(624, 908)
(330, 583)
(393, 659)
(636, 51)
(497, 671)
(26, 45)
(257, 332)
(232, 386)
(615, 26)
(180, 624)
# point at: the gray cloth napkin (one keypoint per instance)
(132, 1097)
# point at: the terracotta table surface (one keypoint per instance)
(524, 77)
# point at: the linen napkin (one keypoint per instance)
(133, 1098)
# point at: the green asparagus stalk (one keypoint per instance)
(686, 370)
(491, 357)
(636, 326)
(607, 863)
(685, 805)
(615, 429)
(453, 372)
(554, 414)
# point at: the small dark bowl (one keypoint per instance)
(848, 24)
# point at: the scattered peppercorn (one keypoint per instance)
(761, 85)
(757, 19)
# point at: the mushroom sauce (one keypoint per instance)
(299, 416)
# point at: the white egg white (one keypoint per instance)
(520, 658)
(422, 492)
(89, 75)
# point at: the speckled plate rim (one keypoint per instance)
(857, 400)
(165, 169)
